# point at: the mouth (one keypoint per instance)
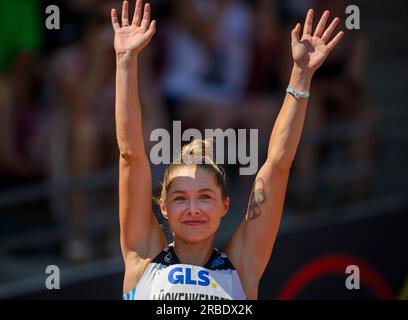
(194, 223)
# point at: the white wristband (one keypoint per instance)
(297, 94)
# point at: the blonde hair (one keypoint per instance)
(198, 153)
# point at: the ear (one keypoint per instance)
(226, 204)
(163, 208)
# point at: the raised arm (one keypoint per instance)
(140, 234)
(251, 245)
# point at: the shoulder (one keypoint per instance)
(135, 267)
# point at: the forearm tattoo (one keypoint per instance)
(258, 196)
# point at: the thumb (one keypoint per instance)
(295, 34)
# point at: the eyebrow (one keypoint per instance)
(201, 190)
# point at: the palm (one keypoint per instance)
(133, 37)
(130, 38)
(311, 50)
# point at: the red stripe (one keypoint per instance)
(336, 264)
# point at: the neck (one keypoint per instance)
(195, 253)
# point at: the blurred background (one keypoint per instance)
(212, 64)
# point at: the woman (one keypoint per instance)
(193, 197)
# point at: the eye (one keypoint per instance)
(179, 198)
(205, 196)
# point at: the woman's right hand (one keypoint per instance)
(132, 38)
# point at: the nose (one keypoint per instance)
(194, 208)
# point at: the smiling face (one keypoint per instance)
(194, 204)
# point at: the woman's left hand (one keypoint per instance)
(311, 50)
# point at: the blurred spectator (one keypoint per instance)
(208, 57)
(84, 74)
(338, 99)
(269, 75)
(21, 111)
(269, 45)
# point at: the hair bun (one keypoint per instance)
(197, 151)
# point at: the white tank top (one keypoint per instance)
(165, 278)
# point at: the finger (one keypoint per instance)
(332, 44)
(329, 31)
(307, 30)
(146, 17)
(152, 29)
(295, 34)
(114, 16)
(138, 13)
(125, 16)
(322, 24)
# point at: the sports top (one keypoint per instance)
(165, 278)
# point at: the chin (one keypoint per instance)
(194, 236)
